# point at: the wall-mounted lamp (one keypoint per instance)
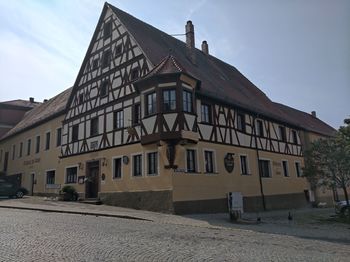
(104, 161)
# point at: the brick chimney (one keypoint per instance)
(205, 47)
(190, 42)
(313, 113)
(31, 99)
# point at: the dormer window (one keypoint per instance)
(107, 29)
(169, 100)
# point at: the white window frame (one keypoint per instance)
(288, 174)
(300, 169)
(146, 163)
(270, 168)
(247, 167)
(65, 174)
(132, 165)
(197, 171)
(113, 168)
(215, 171)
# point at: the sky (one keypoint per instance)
(297, 52)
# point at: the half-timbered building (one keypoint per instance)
(154, 123)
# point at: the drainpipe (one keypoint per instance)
(259, 175)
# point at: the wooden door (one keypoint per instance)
(91, 184)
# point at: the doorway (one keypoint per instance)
(92, 179)
(32, 182)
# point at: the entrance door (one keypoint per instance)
(91, 184)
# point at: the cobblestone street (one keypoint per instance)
(38, 236)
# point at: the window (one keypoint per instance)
(50, 177)
(295, 137)
(29, 142)
(137, 165)
(152, 161)
(298, 169)
(106, 58)
(264, 168)
(187, 101)
(206, 113)
(118, 119)
(136, 114)
(13, 152)
(47, 142)
(75, 133)
(118, 49)
(285, 168)
(191, 160)
(95, 64)
(134, 73)
(241, 122)
(81, 99)
(0, 155)
(169, 100)
(71, 175)
(21, 149)
(151, 103)
(94, 126)
(282, 133)
(107, 29)
(259, 128)
(37, 144)
(117, 167)
(104, 88)
(58, 136)
(244, 165)
(209, 161)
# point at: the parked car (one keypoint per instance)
(11, 189)
(342, 207)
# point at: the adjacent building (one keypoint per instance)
(155, 123)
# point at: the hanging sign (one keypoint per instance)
(229, 162)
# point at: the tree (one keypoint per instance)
(327, 161)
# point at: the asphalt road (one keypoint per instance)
(38, 236)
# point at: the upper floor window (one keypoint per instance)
(37, 144)
(259, 128)
(21, 149)
(285, 168)
(187, 101)
(264, 168)
(106, 58)
(205, 113)
(104, 88)
(94, 126)
(118, 119)
(282, 133)
(29, 144)
(136, 114)
(47, 141)
(107, 29)
(244, 164)
(151, 103)
(58, 137)
(118, 49)
(295, 137)
(241, 122)
(81, 99)
(169, 100)
(95, 64)
(13, 152)
(75, 133)
(209, 161)
(134, 73)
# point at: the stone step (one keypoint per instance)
(91, 201)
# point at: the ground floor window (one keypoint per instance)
(191, 160)
(137, 165)
(285, 168)
(50, 177)
(244, 165)
(298, 169)
(265, 168)
(209, 161)
(117, 167)
(71, 175)
(152, 161)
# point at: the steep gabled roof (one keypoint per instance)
(307, 121)
(45, 111)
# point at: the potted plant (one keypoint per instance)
(69, 193)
